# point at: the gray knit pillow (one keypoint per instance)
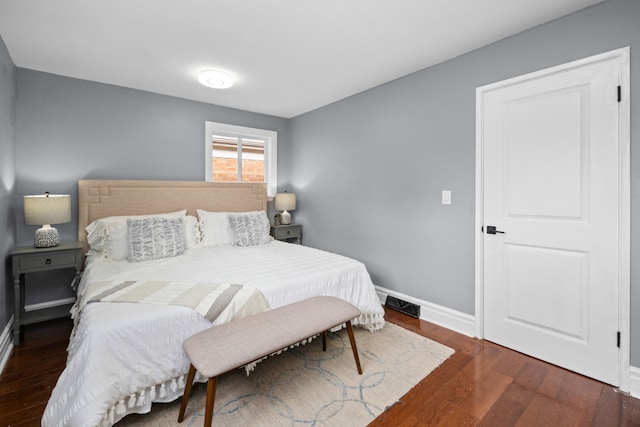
(154, 238)
(249, 228)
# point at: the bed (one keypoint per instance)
(125, 351)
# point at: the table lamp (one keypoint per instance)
(285, 202)
(45, 210)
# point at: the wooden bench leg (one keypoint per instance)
(353, 346)
(211, 396)
(187, 391)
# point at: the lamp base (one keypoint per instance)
(285, 218)
(46, 237)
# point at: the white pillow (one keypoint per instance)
(107, 237)
(214, 228)
(191, 232)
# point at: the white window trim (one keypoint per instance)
(270, 150)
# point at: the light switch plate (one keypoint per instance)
(446, 197)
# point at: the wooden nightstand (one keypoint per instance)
(291, 233)
(28, 259)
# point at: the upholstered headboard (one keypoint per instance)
(102, 198)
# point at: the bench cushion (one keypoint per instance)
(220, 349)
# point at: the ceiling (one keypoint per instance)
(287, 57)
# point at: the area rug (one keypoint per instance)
(305, 386)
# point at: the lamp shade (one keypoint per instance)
(285, 201)
(47, 209)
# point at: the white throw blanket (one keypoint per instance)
(207, 298)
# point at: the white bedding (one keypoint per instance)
(123, 356)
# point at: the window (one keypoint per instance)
(241, 154)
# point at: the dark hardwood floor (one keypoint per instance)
(482, 384)
(32, 371)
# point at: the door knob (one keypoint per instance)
(491, 229)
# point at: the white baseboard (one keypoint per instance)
(434, 313)
(49, 304)
(6, 344)
(634, 377)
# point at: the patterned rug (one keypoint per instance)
(305, 386)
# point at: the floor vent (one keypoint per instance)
(405, 307)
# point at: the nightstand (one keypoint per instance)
(28, 259)
(291, 233)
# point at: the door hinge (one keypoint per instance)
(618, 339)
(619, 93)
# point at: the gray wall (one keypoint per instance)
(369, 169)
(69, 129)
(7, 178)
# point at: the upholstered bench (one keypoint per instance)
(223, 348)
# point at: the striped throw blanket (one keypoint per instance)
(217, 302)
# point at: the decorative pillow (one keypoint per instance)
(214, 228)
(154, 238)
(107, 237)
(249, 228)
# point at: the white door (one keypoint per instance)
(551, 190)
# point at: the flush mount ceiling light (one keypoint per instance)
(215, 79)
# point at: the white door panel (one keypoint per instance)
(543, 133)
(551, 184)
(533, 281)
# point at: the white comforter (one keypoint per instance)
(124, 356)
